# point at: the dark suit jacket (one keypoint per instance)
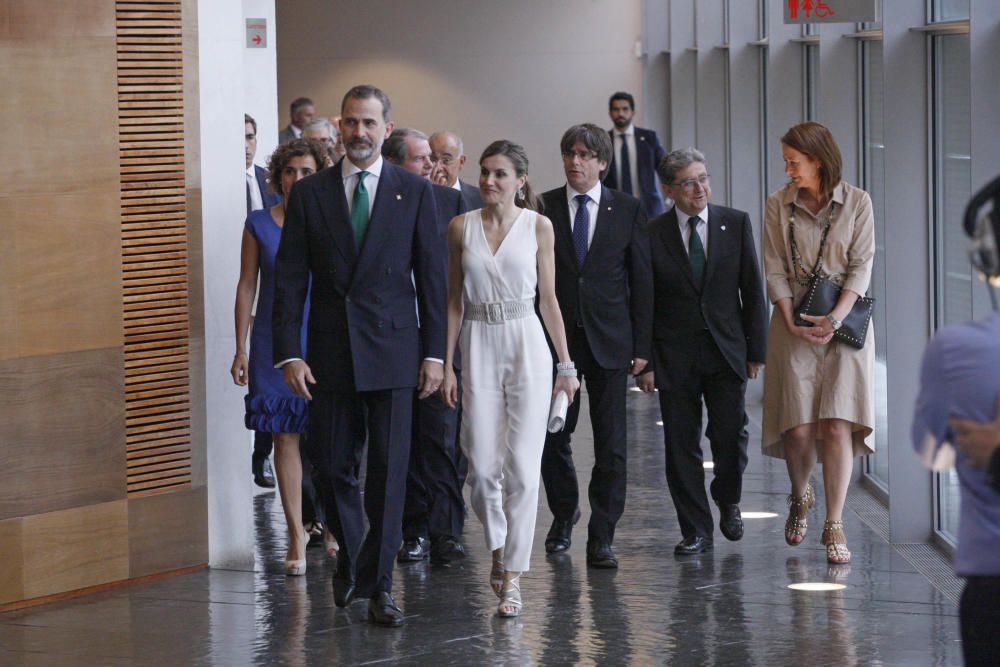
(267, 196)
(612, 294)
(363, 333)
(648, 153)
(449, 204)
(470, 194)
(730, 303)
(286, 134)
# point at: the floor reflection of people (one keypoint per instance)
(560, 631)
(689, 629)
(839, 647)
(612, 636)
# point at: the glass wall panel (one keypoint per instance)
(950, 10)
(873, 155)
(952, 188)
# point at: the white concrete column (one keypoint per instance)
(220, 71)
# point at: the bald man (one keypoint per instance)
(448, 158)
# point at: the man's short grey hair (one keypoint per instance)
(394, 148)
(675, 161)
(322, 124)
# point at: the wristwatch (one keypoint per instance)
(834, 322)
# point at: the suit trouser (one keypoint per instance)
(434, 504)
(337, 426)
(704, 373)
(606, 391)
(979, 614)
(263, 443)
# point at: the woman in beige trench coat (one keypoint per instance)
(818, 393)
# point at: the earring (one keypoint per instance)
(520, 193)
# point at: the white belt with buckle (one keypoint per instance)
(499, 311)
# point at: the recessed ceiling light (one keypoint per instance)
(758, 515)
(817, 586)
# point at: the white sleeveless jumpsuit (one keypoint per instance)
(507, 388)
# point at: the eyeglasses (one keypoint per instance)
(690, 183)
(584, 156)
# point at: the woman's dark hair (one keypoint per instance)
(515, 153)
(814, 140)
(286, 151)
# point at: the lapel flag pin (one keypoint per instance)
(399, 197)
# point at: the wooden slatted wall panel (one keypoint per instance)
(154, 246)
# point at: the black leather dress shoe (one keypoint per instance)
(343, 590)
(382, 610)
(446, 551)
(262, 474)
(693, 545)
(731, 521)
(559, 537)
(414, 550)
(600, 554)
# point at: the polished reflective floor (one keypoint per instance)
(730, 607)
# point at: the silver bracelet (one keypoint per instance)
(566, 369)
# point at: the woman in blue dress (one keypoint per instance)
(271, 406)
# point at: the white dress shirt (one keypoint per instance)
(701, 228)
(592, 208)
(256, 199)
(628, 135)
(350, 173)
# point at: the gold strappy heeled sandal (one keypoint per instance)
(798, 508)
(836, 543)
(496, 573)
(510, 598)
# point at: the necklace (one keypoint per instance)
(803, 276)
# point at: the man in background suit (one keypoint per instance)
(605, 291)
(435, 510)
(326, 133)
(258, 196)
(636, 155)
(302, 112)
(448, 156)
(709, 336)
(365, 234)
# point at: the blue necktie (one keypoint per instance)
(624, 168)
(696, 251)
(581, 229)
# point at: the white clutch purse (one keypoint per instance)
(557, 412)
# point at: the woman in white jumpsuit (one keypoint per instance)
(497, 256)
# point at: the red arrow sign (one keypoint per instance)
(256, 39)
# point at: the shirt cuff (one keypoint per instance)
(779, 290)
(434, 359)
(856, 284)
(286, 361)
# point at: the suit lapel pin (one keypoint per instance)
(609, 208)
(723, 228)
(399, 197)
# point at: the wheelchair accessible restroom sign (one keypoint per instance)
(830, 11)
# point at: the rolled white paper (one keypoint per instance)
(557, 413)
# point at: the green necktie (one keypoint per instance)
(359, 210)
(696, 251)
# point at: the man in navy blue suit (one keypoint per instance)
(637, 153)
(435, 510)
(365, 233)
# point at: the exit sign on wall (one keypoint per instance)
(830, 11)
